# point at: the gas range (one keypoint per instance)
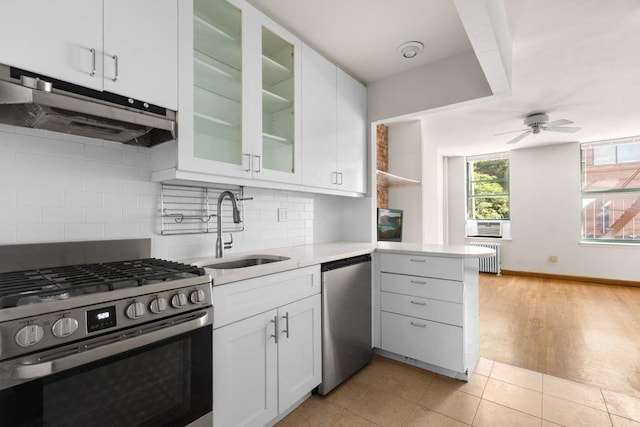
(44, 308)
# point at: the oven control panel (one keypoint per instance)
(34, 333)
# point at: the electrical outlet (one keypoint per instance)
(553, 258)
(283, 215)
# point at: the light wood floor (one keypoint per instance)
(582, 332)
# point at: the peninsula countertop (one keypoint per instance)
(307, 255)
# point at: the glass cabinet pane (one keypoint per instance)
(217, 68)
(277, 103)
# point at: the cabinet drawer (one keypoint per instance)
(424, 308)
(445, 290)
(430, 342)
(240, 300)
(418, 265)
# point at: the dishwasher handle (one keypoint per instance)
(333, 265)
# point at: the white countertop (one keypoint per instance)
(447, 251)
(307, 255)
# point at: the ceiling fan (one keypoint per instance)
(539, 122)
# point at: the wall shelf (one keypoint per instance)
(386, 178)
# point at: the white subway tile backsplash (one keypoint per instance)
(41, 198)
(137, 215)
(83, 232)
(103, 215)
(7, 233)
(62, 182)
(40, 163)
(56, 187)
(118, 200)
(121, 231)
(120, 171)
(20, 143)
(7, 197)
(102, 154)
(60, 148)
(136, 158)
(83, 199)
(24, 215)
(30, 233)
(63, 216)
(101, 184)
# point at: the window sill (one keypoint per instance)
(595, 243)
(488, 239)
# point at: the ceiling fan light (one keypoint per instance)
(410, 50)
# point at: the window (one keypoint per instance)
(611, 190)
(488, 187)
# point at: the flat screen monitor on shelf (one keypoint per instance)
(389, 225)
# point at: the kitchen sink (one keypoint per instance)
(249, 261)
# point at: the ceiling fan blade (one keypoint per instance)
(519, 137)
(511, 131)
(560, 122)
(563, 129)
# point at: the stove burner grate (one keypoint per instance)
(56, 283)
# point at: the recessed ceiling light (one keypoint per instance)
(410, 49)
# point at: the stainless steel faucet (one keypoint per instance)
(236, 219)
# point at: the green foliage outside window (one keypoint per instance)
(488, 189)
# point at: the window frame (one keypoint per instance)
(592, 195)
(469, 185)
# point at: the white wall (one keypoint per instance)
(446, 82)
(405, 153)
(545, 217)
(56, 187)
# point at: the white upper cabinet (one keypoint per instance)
(239, 113)
(58, 39)
(319, 120)
(334, 126)
(128, 48)
(141, 50)
(351, 135)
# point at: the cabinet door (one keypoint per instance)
(277, 157)
(62, 40)
(212, 94)
(141, 50)
(299, 350)
(351, 134)
(245, 372)
(318, 120)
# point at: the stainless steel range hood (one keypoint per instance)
(30, 100)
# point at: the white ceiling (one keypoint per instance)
(572, 59)
(362, 36)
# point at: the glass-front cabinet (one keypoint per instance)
(239, 113)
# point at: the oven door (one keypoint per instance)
(158, 376)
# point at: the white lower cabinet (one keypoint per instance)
(429, 311)
(245, 372)
(265, 363)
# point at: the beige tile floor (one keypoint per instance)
(389, 393)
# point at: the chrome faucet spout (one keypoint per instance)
(220, 245)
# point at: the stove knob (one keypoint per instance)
(64, 327)
(29, 335)
(158, 305)
(135, 310)
(197, 296)
(179, 300)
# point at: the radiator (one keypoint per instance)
(490, 264)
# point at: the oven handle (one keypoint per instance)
(39, 370)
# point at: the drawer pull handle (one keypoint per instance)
(418, 260)
(418, 302)
(419, 325)
(418, 282)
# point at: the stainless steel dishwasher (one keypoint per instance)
(346, 319)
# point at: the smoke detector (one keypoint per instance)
(410, 49)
